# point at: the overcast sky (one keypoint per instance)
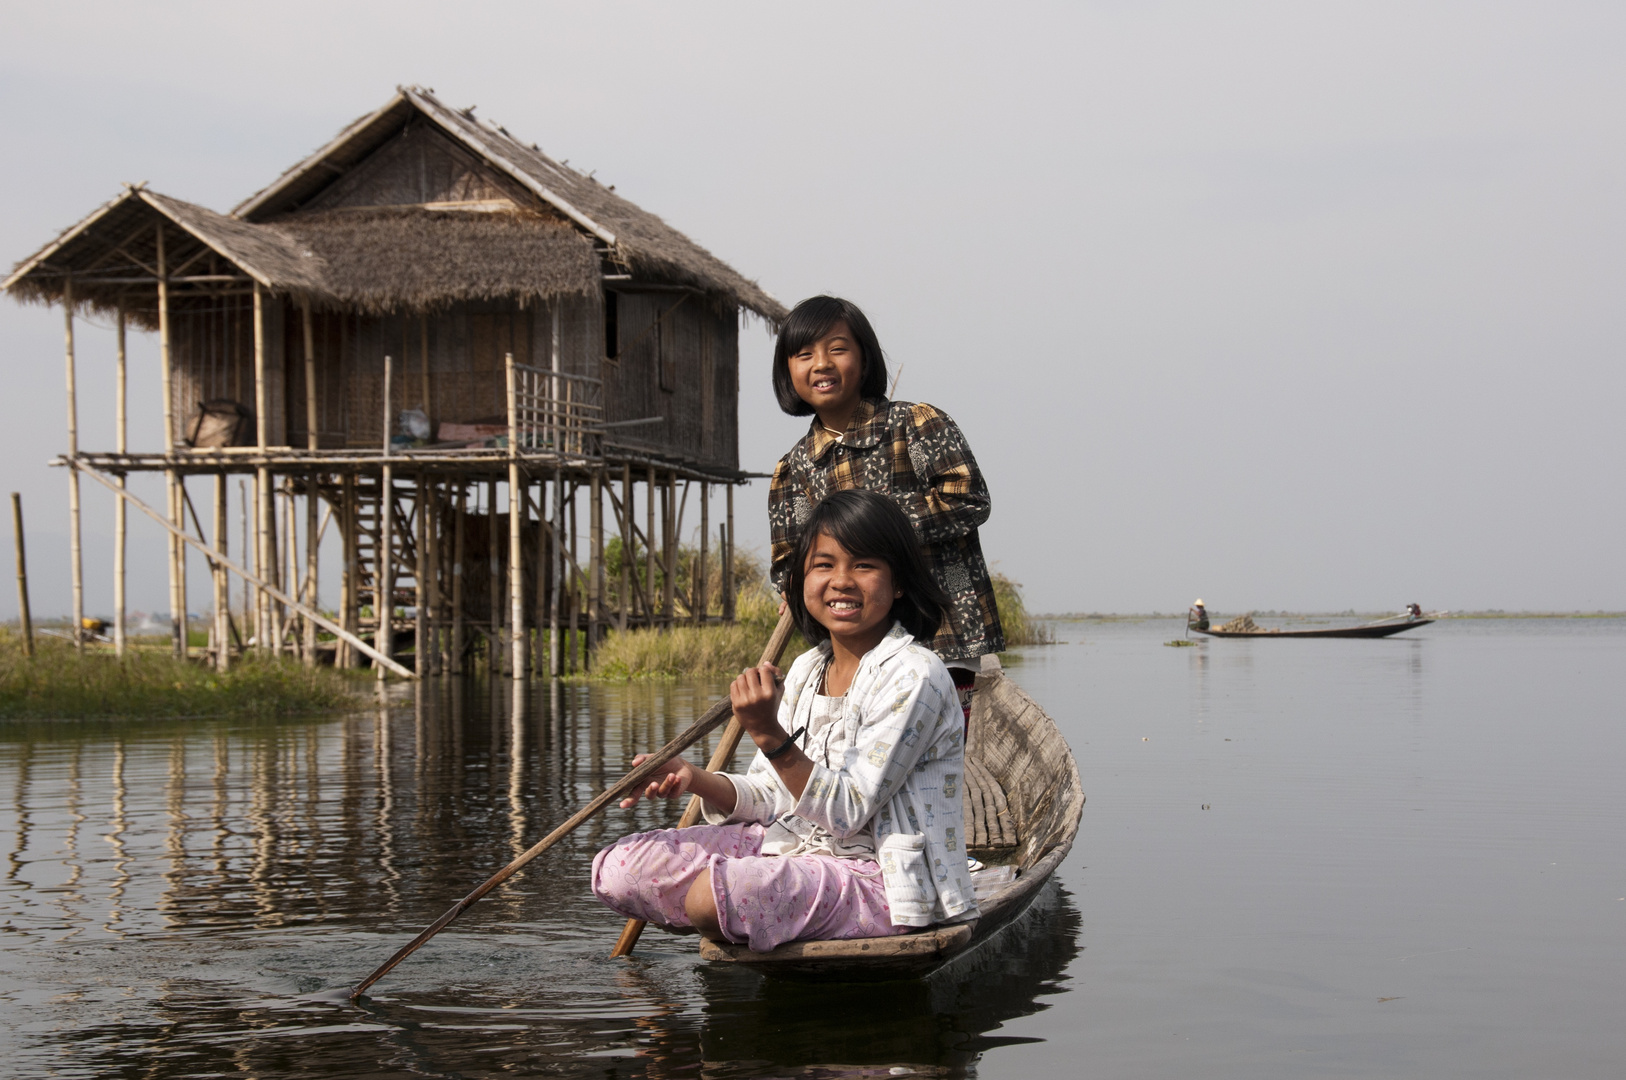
(1306, 306)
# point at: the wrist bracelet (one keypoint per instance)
(782, 747)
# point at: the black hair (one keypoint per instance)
(869, 524)
(808, 322)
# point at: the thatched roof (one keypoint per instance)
(385, 258)
(113, 253)
(636, 239)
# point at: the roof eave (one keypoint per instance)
(67, 235)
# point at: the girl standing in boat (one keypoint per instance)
(828, 364)
(848, 822)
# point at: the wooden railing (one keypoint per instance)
(552, 411)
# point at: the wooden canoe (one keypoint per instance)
(1023, 801)
(1367, 630)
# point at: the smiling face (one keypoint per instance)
(828, 375)
(849, 595)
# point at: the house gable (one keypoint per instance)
(422, 166)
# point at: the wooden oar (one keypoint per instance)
(713, 716)
(719, 761)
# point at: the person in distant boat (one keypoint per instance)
(1197, 617)
(849, 821)
(828, 364)
(1414, 612)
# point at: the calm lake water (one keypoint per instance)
(1299, 858)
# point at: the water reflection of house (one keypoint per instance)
(421, 319)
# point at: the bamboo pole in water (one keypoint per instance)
(121, 430)
(75, 549)
(23, 612)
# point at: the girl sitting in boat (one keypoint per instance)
(848, 822)
(828, 364)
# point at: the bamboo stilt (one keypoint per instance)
(250, 615)
(539, 664)
(75, 549)
(573, 613)
(222, 583)
(384, 568)
(493, 582)
(420, 622)
(121, 428)
(516, 550)
(177, 595)
(384, 553)
(728, 560)
(312, 500)
(623, 518)
(556, 577)
(265, 627)
(457, 577)
(669, 550)
(702, 603)
(429, 526)
(649, 551)
(595, 569)
(350, 576)
(24, 614)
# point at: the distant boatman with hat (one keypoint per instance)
(1197, 617)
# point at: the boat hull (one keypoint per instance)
(1379, 631)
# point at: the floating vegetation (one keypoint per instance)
(1180, 643)
(59, 684)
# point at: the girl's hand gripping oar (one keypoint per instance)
(719, 761)
(713, 716)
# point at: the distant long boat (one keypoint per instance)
(1381, 628)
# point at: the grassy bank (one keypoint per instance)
(721, 649)
(57, 683)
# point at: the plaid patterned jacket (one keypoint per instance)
(916, 455)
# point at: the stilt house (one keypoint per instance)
(441, 340)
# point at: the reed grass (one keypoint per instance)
(1020, 627)
(710, 651)
(59, 684)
